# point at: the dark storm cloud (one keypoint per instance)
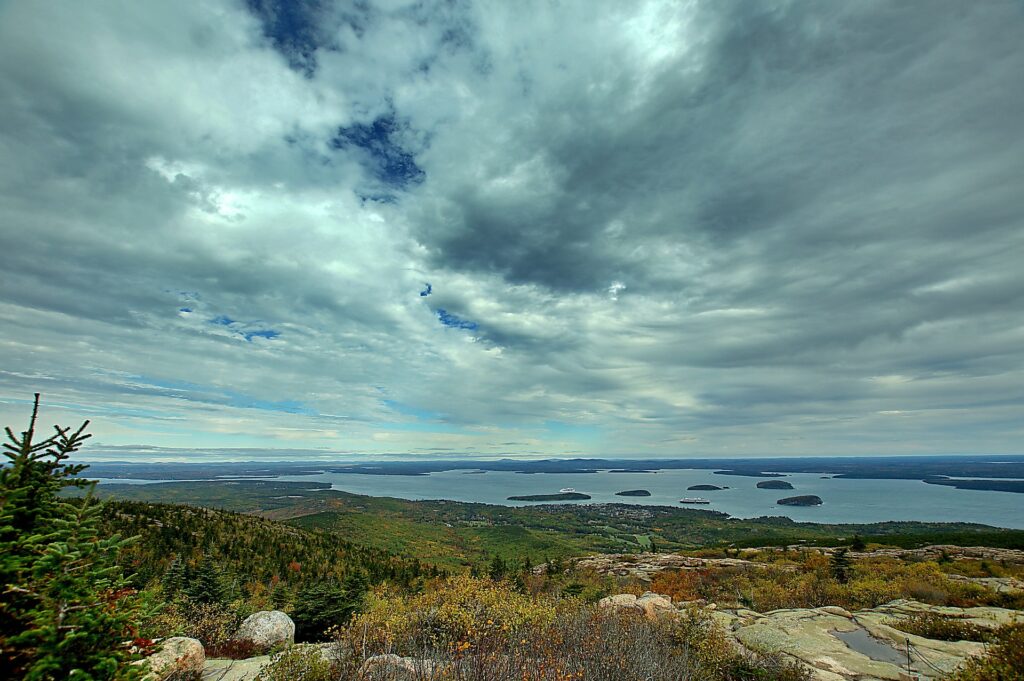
(799, 126)
(660, 227)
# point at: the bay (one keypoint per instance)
(845, 500)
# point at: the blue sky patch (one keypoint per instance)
(379, 148)
(455, 322)
(269, 334)
(291, 27)
(245, 330)
(426, 291)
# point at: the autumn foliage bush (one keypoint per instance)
(477, 629)
(1004, 660)
(809, 582)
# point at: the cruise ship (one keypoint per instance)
(566, 490)
(694, 500)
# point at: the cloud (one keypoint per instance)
(672, 228)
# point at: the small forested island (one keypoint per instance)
(706, 488)
(561, 496)
(633, 493)
(774, 484)
(803, 500)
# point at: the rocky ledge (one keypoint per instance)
(834, 644)
(837, 645)
(645, 565)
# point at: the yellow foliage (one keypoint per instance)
(459, 610)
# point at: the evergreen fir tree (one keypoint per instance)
(174, 578)
(65, 607)
(281, 595)
(858, 543)
(498, 569)
(322, 605)
(839, 566)
(207, 584)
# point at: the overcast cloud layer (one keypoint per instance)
(537, 228)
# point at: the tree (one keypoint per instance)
(322, 605)
(65, 606)
(498, 568)
(174, 578)
(207, 584)
(858, 543)
(839, 566)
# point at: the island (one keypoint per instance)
(803, 500)
(633, 493)
(708, 488)
(774, 484)
(561, 496)
(993, 485)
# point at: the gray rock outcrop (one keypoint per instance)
(645, 565)
(177, 656)
(651, 604)
(267, 628)
(835, 644)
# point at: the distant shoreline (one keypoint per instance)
(998, 474)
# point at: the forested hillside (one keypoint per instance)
(254, 550)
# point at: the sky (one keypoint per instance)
(540, 228)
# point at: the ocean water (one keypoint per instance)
(845, 500)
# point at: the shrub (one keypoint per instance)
(299, 663)
(494, 634)
(941, 627)
(1004, 660)
(454, 610)
(212, 623)
(681, 585)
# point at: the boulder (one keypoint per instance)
(618, 601)
(651, 604)
(654, 605)
(178, 656)
(267, 628)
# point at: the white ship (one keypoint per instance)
(567, 490)
(694, 500)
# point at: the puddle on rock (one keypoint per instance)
(861, 641)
